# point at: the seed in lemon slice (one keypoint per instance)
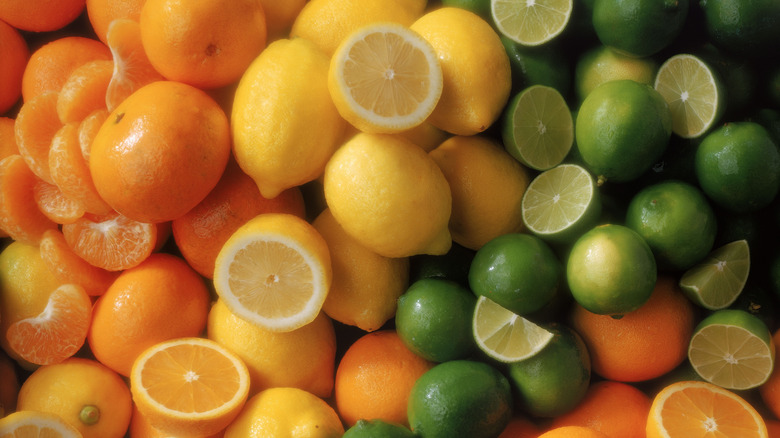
(385, 78)
(34, 424)
(189, 386)
(732, 349)
(531, 22)
(562, 203)
(538, 128)
(694, 93)
(716, 282)
(505, 335)
(274, 271)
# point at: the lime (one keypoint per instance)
(454, 265)
(676, 220)
(460, 398)
(377, 428)
(611, 270)
(539, 65)
(694, 93)
(732, 349)
(639, 27)
(479, 7)
(759, 301)
(537, 127)
(561, 204)
(531, 23)
(433, 319)
(622, 128)
(518, 271)
(554, 380)
(738, 77)
(749, 28)
(601, 64)
(504, 335)
(717, 281)
(774, 275)
(738, 167)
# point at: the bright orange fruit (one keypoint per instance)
(14, 52)
(84, 91)
(68, 267)
(19, 214)
(59, 208)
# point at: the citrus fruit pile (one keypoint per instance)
(389, 218)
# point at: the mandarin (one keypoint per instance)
(770, 390)
(521, 427)
(7, 137)
(69, 267)
(20, 217)
(36, 124)
(53, 203)
(573, 432)
(40, 15)
(14, 52)
(84, 91)
(102, 12)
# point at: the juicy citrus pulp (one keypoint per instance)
(505, 335)
(717, 281)
(531, 22)
(34, 424)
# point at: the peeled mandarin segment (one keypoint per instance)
(84, 91)
(58, 332)
(69, 267)
(36, 124)
(531, 23)
(59, 208)
(505, 335)
(19, 213)
(88, 129)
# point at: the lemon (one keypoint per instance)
(34, 423)
(284, 123)
(475, 67)
(385, 78)
(274, 271)
(365, 285)
(487, 187)
(389, 195)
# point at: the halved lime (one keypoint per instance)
(504, 335)
(732, 349)
(718, 280)
(694, 93)
(561, 203)
(538, 129)
(531, 22)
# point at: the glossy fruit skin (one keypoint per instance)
(378, 429)
(743, 27)
(638, 28)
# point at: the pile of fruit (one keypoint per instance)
(389, 218)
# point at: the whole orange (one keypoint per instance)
(770, 390)
(40, 15)
(102, 12)
(14, 53)
(160, 152)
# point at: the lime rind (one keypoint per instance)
(716, 282)
(531, 22)
(504, 335)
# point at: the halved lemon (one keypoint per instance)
(34, 424)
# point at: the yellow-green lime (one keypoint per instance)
(717, 281)
(538, 129)
(732, 349)
(601, 64)
(504, 335)
(531, 23)
(639, 27)
(378, 428)
(561, 204)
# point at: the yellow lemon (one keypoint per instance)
(33, 423)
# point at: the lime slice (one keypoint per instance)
(531, 22)
(504, 335)
(717, 281)
(732, 349)
(694, 94)
(538, 128)
(561, 203)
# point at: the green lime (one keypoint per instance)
(453, 265)
(732, 349)
(518, 271)
(531, 23)
(611, 270)
(759, 301)
(537, 127)
(694, 92)
(622, 128)
(738, 77)
(715, 282)
(738, 167)
(739, 226)
(541, 65)
(504, 335)
(639, 27)
(433, 319)
(601, 64)
(676, 163)
(378, 428)
(479, 7)
(769, 118)
(676, 220)
(750, 28)
(772, 86)
(561, 204)
(460, 398)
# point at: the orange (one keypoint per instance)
(7, 137)
(50, 65)
(14, 52)
(102, 12)
(614, 408)
(88, 129)
(40, 15)
(84, 91)
(573, 432)
(643, 344)
(201, 232)
(36, 124)
(140, 428)
(521, 427)
(207, 44)
(770, 390)
(375, 377)
(160, 152)
(9, 390)
(59, 208)
(772, 427)
(160, 299)
(84, 393)
(20, 217)
(279, 16)
(68, 267)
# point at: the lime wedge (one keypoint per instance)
(538, 129)
(531, 22)
(716, 282)
(732, 349)
(504, 335)
(561, 203)
(694, 93)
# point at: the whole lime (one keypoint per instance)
(738, 167)
(460, 398)
(518, 271)
(622, 129)
(377, 428)
(638, 27)
(611, 270)
(433, 319)
(540, 65)
(744, 27)
(454, 265)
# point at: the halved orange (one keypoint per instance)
(68, 267)
(19, 214)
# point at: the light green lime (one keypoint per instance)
(504, 335)
(378, 428)
(601, 64)
(639, 27)
(531, 23)
(717, 281)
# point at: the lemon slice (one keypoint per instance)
(531, 22)
(716, 282)
(505, 335)
(385, 78)
(35, 424)
(274, 271)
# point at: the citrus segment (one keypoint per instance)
(19, 214)
(35, 126)
(54, 204)
(717, 281)
(34, 424)
(84, 91)
(531, 23)
(69, 267)
(505, 335)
